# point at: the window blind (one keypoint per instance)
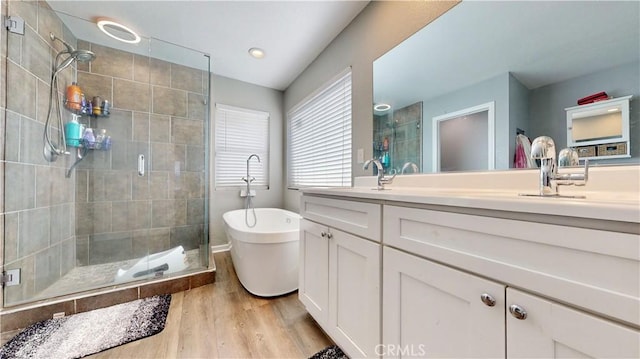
(239, 133)
(319, 133)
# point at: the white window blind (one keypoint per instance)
(239, 133)
(319, 133)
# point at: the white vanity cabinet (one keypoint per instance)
(404, 279)
(339, 281)
(434, 284)
(434, 311)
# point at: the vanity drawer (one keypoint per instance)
(358, 218)
(596, 270)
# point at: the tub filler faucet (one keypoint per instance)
(248, 178)
(544, 149)
(382, 180)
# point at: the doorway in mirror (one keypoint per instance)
(464, 140)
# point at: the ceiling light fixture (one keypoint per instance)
(118, 31)
(256, 52)
(381, 107)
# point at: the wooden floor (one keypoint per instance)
(222, 320)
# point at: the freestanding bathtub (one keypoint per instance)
(265, 257)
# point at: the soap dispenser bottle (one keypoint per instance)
(73, 132)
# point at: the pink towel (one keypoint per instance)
(521, 158)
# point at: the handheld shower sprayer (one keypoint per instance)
(56, 147)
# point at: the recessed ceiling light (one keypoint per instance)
(256, 52)
(382, 107)
(118, 31)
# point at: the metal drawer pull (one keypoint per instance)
(488, 299)
(518, 312)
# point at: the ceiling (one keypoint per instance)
(292, 33)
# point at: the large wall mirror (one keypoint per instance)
(532, 60)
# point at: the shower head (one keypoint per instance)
(74, 55)
(83, 55)
(77, 55)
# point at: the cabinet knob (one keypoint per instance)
(518, 312)
(323, 234)
(488, 299)
(329, 235)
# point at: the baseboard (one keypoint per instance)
(221, 248)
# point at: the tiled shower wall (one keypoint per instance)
(104, 212)
(408, 140)
(159, 112)
(38, 199)
(403, 128)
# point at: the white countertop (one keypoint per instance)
(613, 205)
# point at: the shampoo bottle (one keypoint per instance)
(74, 97)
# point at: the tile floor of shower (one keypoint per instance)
(103, 275)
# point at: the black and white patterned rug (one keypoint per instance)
(330, 352)
(90, 332)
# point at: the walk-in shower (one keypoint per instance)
(113, 219)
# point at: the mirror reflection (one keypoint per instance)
(533, 61)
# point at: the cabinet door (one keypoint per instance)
(313, 283)
(354, 294)
(552, 330)
(434, 311)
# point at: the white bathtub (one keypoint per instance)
(265, 257)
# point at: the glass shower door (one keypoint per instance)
(178, 169)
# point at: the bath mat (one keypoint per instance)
(330, 352)
(79, 335)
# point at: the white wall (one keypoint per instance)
(378, 28)
(241, 94)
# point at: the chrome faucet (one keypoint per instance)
(248, 179)
(544, 149)
(382, 180)
(408, 165)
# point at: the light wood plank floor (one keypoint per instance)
(223, 320)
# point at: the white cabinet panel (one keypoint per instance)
(434, 311)
(339, 285)
(360, 218)
(552, 330)
(313, 284)
(354, 303)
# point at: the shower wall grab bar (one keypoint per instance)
(140, 165)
